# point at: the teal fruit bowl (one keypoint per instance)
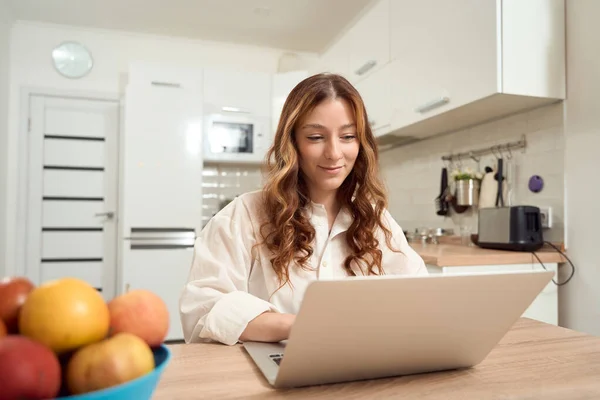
(138, 389)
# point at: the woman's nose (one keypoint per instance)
(333, 150)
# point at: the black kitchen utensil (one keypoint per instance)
(441, 204)
(500, 178)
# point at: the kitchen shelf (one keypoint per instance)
(495, 149)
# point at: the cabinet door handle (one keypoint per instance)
(374, 126)
(367, 66)
(432, 104)
(166, 84)
(235, 110)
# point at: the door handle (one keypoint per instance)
(108, 215)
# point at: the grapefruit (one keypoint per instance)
(65, 314)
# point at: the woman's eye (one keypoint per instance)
(314, 138)
(349, 137)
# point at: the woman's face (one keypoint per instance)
(328, 146)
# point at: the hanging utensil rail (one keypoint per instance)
(496, 149)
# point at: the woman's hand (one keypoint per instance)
(269, 327)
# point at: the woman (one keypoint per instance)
(321, 215)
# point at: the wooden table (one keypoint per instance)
(533, 361)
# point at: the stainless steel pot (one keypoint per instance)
(467, 192)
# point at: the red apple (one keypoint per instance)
(28, 369)
(141, 313)
(13, 292)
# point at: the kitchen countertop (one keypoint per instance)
(452, 255)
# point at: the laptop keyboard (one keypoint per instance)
(276, 358)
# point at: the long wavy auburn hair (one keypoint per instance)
(287, 231)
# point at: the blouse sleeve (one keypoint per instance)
(405, 262)
(215, 303)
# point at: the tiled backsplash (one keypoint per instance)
(223, 182)
(412, 173)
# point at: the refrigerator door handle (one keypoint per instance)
(161, 238)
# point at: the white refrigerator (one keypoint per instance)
(161, 187)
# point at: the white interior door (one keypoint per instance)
(72, 190)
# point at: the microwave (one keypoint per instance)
(236, 138)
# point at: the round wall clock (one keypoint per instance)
(72, 60)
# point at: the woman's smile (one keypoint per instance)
(332, 170)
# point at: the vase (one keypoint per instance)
(467, 192)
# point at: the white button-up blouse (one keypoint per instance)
(230, 283)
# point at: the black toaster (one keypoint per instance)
(517, 228)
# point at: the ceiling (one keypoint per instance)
(301, 25)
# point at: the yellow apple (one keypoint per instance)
(110, 362)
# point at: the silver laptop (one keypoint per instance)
(374, 327)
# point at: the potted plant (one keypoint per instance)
(467, 184)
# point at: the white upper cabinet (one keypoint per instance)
(467, 61)
(237, 91)
(447, 65)
(363, 49)
(335, 60)
(443, 51)
(370, 41)
(375, 91)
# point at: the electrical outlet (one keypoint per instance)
(546, 215)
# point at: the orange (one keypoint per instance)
(65, 314)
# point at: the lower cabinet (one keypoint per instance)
(544, 308)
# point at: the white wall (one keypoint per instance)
(5, 24)
(31, 46)
(580, 299)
